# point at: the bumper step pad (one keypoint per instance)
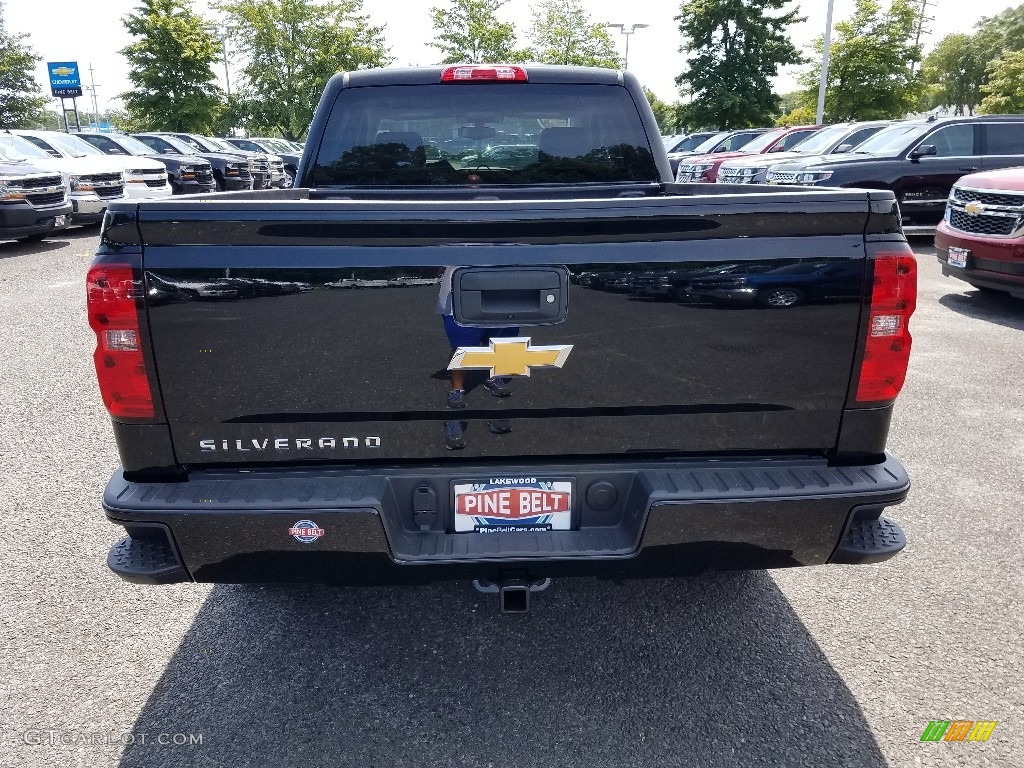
(870, 541)
(146, 561)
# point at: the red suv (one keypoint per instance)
(981, 239)
(704, 168)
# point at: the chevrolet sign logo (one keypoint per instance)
(973, 208)
(509, 357)
(62, 71)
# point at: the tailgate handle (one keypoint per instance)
(493, 297)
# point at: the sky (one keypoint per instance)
(90, 32)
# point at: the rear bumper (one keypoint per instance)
(663, 520)
(995, 262)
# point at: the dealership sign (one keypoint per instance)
(65, 81)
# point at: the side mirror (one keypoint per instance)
(722, 149)
(924, 150)
(842, 149)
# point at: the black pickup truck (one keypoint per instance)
(394, 373)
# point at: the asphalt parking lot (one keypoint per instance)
(825, 666)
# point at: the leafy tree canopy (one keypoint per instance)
(170, 68)
(801, 115)
(954, 73)
(1002, 33)
(869, 77)
(291, 48)
(735, 47)
(664, 113)
(469, 32)
(20, 102)
(1004, 92)
(563, 33)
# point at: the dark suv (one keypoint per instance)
(187, 173)
(920, 160)
(231, 172)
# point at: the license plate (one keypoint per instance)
(59, 221)
(512, 504)
(958, 257)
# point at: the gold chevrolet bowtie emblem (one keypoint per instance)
(973, 208)
(63, 71)
(509, 357)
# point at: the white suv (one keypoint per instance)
(144, 177)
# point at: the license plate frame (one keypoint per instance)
(958, 257)
(513, 504)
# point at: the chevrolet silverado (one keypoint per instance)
(396, 372)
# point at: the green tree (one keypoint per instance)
(563, 33)
(790, 101)
(954, 73)
(798, 116)
(291, 48)
(469, 32)
(735, 47)
(1002, 33)
(20, 102)
(869, 77)
(1004, 92)
(664, 113)
(170, 66)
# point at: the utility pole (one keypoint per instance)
(824, 65)
(921, 21)
(95, 103)
(632, 30)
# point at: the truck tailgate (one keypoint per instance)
(312, 330)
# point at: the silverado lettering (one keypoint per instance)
(737, 351)
(285, 444)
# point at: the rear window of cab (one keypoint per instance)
(483, 134)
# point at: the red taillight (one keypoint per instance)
(483, 72)
(111, 293)
(887, 346)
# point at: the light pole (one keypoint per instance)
(222, 36)
(824, 65)
(632, 30)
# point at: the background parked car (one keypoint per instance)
(92, 181)
(187, 174)
(33, 202)
(835, 139)
(511, 156)
(919, 160)
(143, 177)
(723, 141)
(786, 286)
(686, 142)
(230, 171)
(289, 157)
(981, 238)
(704, 168)
(267, 170)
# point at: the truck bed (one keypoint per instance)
(276, 319)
